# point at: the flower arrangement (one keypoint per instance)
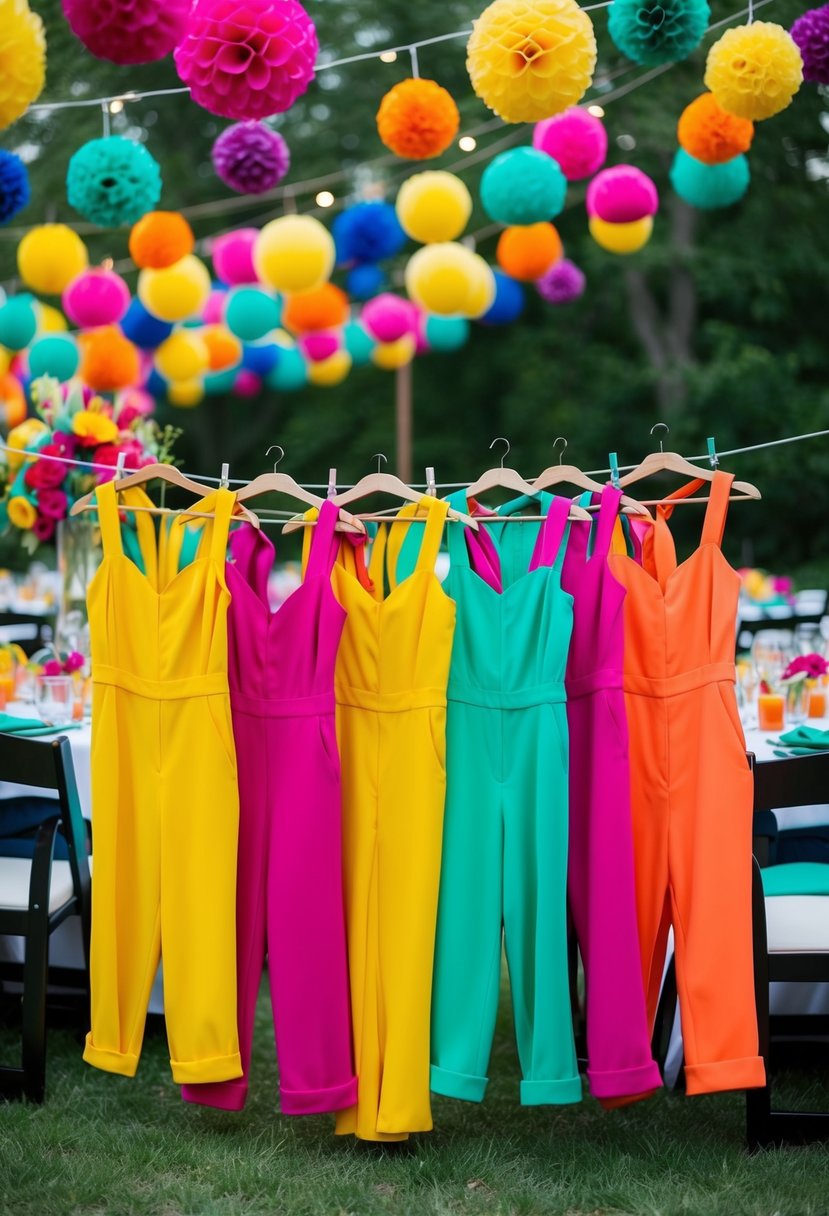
(806, 667)
(58, 666)
(760, 587)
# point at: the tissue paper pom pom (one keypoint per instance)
(14, 186)
(449, 280)
(177, 292)
(358, 342)
(367, 232)
(392, 355)
(326, 373)
(247, 384)
(621, 195)
(708, 133)
(183, 356)
(251, 313)
(621, 238)
(528, 59)
(247, 60)
(294, 253)
(482, 288)
(658, 31)
(811, 33)
(446, 334)
(260, 357)
(526, 252)
(49, 257)
(575, 139)
(508, 303)
(387, 317)
(320, 345)
(562, 283)
(232, 256)
(18, 322)
(709, 186)
(417, 119)
(754, 70)
(142, 328)
(96, 297)
(522, 186)
(365, 281)
(218, 383)
(185, 393)
(159, 239)
(128, 31)
(108, 360)
(51, 320)
(250, 158)
(433, 206)
(54, 355)
(22, 59)
(290, 373)
(224, 349)
(113, 181)
(324, 308)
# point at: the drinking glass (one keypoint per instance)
(54, 700)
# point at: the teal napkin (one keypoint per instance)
(806, 739)
(9, 725)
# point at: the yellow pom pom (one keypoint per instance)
(621, 238)
(433, 206)
(177, 292)
(183, 356)
(331, 371)
(294, 253)
(754, 70)
(391, 355)
(185, 393)
(482, 291)
(22, 59)
(50, 320)
(447, 279)
(49, 257)
(529, 59)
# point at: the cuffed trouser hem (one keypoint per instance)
(629, 1083)
(318, 1101)
(223, 1095)
(551, 1093)
(124, 1063)
(216, 1068)
(458, 1085)
(747, 1073)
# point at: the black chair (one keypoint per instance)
(791, 932)
(37, 894)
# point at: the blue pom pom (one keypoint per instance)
(14, 186)
(523, 186)
(290, 372)
(367, 232)
(363, 282)
(709, 186)
(658, 31)
(113, 181)
(156, 385)
(260, 357)
(508, 303)
(446, 334)
(358, 342)
(142, 328)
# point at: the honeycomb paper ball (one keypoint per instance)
(446, 334)
(251, 313)
(508, 303)
(575, 139)
(294, 253)
(159, 239)
(658, 31)
(250, 158)
(224, 350)
(434, 206)
(290, 373)
(18, 322)
(326, 373)
(392, 355)
(365, 281)
(709, 187)
(367, 232)
(523, 186)
(710, 134)
(247, 60)
(22, 59)
(387, 317)
(621, 194)
(14, 186)
(109, 361)
(811, 34)
(128, 31)
(54, 355)
(525, 253)
(528, 59)
(185, 394)
(177, 292)
(358, 342)
(232, 256)
(49, 257)
(96, 297)
(184, 355)
(417, 119)
(143, 329)
(445, 279)
(562, 283)
(113, 181)
(754, 70)
(621, 238)
(324, 308)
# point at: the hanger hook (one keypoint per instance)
(279, 449)
(380, 457)
(501, 439)
(557, 441)
(665, 428)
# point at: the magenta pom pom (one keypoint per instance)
(621, 195)
(247, 383)
(320, 345)
(214, 310)
(128, 31)
(96, 297)
(562, 283)
(232, 256)
(387, 317)
(247, 60)
(811, 33)
(575, 139)
(251, 158)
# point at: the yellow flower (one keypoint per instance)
(20, 437)
(21, 512)
(22, 59)
(100, 428)
(754, 70)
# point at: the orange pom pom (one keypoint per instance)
(159, 239)
(709, 133)
(223, 348)
(109, 361)
(417, 119)
(525, 252)
(12, 401)
(324, 308)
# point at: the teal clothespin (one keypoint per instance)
(712, 452)
(614, 470)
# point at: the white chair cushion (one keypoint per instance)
(15, 876)
(798, 924)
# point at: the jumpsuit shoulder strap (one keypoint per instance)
(717, 509)
(609, 505)
(436, 512)
(108, 518)
(223, 503)
(457, 538)
(323, 545)
(549, 549)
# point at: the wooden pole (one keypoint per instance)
(403, 421)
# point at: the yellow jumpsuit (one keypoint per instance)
(392, 671)
(165, 807)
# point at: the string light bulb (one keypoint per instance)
(325, 199)
(596, 111)
(388, 57)
(467, 143)
(116, 106)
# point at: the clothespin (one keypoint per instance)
(119, 466)
(614, 470)
(431, 485)
(332, 484)
(712, 452)
(224, 480)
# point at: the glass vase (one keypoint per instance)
(797, 701)
(79, 556)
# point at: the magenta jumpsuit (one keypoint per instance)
(289, 900)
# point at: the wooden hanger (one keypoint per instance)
(672, 462)
(283, 483)
(569, 474)
(160, 472)
(511, 479)
(387, 483)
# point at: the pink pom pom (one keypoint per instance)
(387, 317)
(320, 345)
(247, 383)
(575, 139)
(214, 309)
(232, 256)
(621, 195)
(96, 297)
(247, 60)
(128, 31)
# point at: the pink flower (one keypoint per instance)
(52, 503)
(74, 662)
(811, 665)
(46, 474)
(53, 667)
(134, 457)
(127, 415)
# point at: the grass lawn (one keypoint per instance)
(105, 1144)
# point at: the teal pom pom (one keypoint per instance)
(113, 181)
(251, 314)
(658, 31)
(18, 322)
(523, 186)
(709, 186)
(290, 372)
(218, 383)
(446, 334)
(358, 342)
(54, 355)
